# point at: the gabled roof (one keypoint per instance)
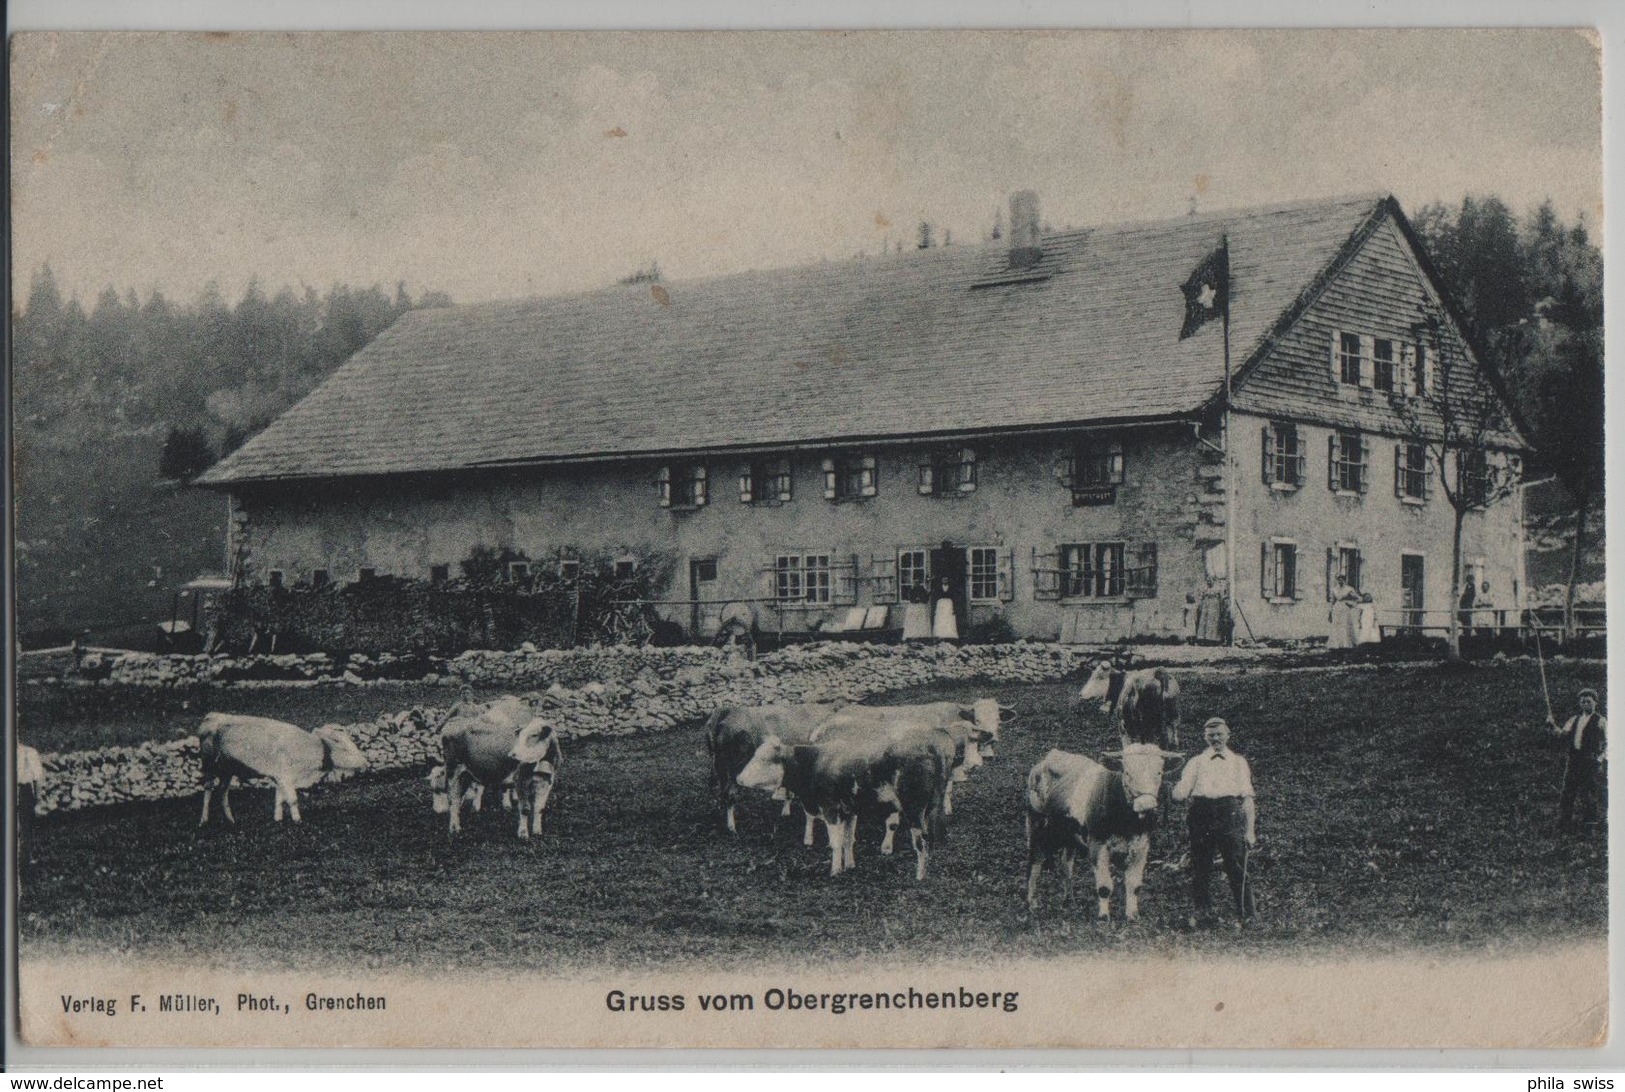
(895, 347)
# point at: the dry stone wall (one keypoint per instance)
(589, 692)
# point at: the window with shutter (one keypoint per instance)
(1347, 461)
(949, 473)
(1412, 480)
(1092, 570)
(1283, 456)
(1007, 575)
(682, 485)
(1142, 576)
(1349, 365)
(850, 477)
(766, 481)
(1382, 364)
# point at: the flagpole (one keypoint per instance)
(1229, 459)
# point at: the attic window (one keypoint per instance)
(682, 485)
(765, 481)
(951, 472)
(850, 477)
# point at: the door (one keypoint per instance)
(1410, 588)
(948, 563)
(702, 584)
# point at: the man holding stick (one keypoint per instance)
(1585, 736)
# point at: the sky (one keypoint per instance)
(492, 166)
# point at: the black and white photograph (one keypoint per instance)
(975, 539)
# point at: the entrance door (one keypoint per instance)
(1410, 588)
(702, 584)
(948, 563)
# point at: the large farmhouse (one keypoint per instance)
(1042, 421)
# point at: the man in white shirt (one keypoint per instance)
(1223, 819)
(1586, 745)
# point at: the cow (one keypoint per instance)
(233, 746)
(734, 732)
(30, 782)
(1144, 704)
(487, 752)
(1076, 803)
(837, 780)
(859, 724)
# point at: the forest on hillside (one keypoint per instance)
(115, 407)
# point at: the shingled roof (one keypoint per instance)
(906, 345)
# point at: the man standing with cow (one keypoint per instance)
(1223, 819)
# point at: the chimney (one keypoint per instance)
(1024, 247)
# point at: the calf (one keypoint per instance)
(734, 732)
(1144, 704)
(1076, 803)
(234, 746)
(483, 753)
(835, 781)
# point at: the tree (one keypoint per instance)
(1452, 411)
(186, 454)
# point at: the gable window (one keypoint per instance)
(950, 473)
(1278, 570)
(1348, 359)
(765, 481)
(1343, 560)
(439, 574)
(1412, 481)
(850, 477)
(1092, 569)
(1382, 364)
(1346, 462)
(275, 579)
(320, 578)
(801, 578)
(1283, 456)
(682, 485)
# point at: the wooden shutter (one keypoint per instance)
(1399, 470)
(1046, 575)
(1268, 444)
(1365, 464)
(1299, 459)
(928, 481)
(1331, 462)
(872, 486)
(699, 478)
(1357, 577)
(1368, 361)
(1426, 358)
(1405, 382)
(830, 492)
(786, 481)
(1066, 471)
(1429, 470)
(1007, 575)
(1141, 582)
(1331, 571)
(883, 579)
(967, 470)
(1337, 363)
(663, 478)
(747, 486)
(843, 580)
(1266, 583)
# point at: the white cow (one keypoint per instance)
(235, 746)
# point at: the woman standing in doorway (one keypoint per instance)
(944, 624)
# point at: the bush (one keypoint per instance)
(995, 631)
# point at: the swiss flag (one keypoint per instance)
(1207, 291)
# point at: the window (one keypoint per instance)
(518, 572)
(682, 485)
(1348, 359)
(625, 568)
(364, 575)
(1382, 364)
(1097, 462)
(1278, 565)
(1475, 477)
(1283, 456)
(1092, 569)
(849, 477)
(802, 578)
(950, 473)
(439, 574)
(1411, 478)
(765, 481)
(1343, 560)
(570, 572)
(320, 578)
(275, 579)
(984, 573)
(913, 574)
(1346, 461)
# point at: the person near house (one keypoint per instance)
(1469, 596)
(1366, 630)
(1343, 615)
(917, 613)
(1585, 738)
(1484, 610)
(1212, 622)
(944, 623)
(1223, 819)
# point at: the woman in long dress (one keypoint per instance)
(1343, 616)
(917, 613)
(944, 625)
